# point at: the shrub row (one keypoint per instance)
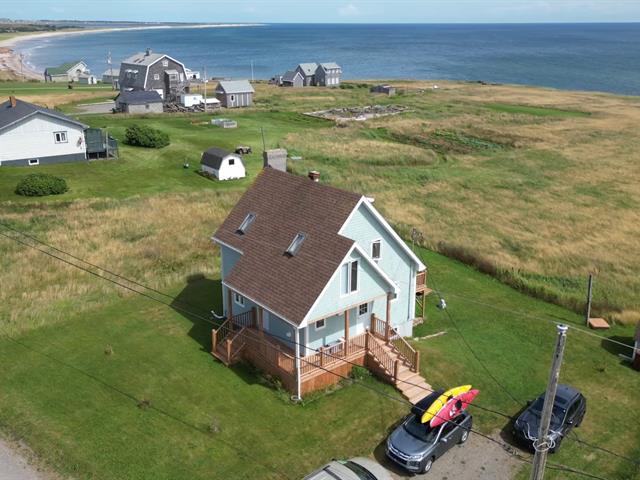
(144, 136)
(40, 185)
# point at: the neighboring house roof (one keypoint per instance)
(139, 97)
(140, 63)
(111, 72)
(235, 86)
(290, 75)
(144, 58)
(10, 115)
(213, 157)
(286, 205)
(330, 66)
(308, 68)
(63, 69)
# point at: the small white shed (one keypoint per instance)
(191, 99)
(224, 165)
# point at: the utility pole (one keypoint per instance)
(264, 144)
(22, 65)
(589, 292)
(113, 86)
(205, 88)
(252, 79)
(541, 444)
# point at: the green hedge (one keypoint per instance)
(144, 136)
(40, 185)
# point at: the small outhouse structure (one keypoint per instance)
(235, 93)
(328, 75)
(222, 164)
(139, 101)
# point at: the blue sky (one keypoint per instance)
(331, 11)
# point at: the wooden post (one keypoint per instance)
(229, 303)
(396, 368)
(214, 339)
(346, 326)
(386, 333)
(321, 351)
(373, 323)
(589, 292)
(366, 342)
(417, 361)
(229, 350)
(254, 317)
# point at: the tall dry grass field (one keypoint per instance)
(157, 241)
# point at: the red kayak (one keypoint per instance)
(453, 407)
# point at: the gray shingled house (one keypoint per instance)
(308, 72)
(139, 101)
(235, 93)
(153, 71)
(328, 75)
(293, 78)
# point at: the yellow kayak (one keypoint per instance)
(440, 402)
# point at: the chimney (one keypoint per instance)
(12, 101)
(314, 175)
(276, 158)
(148, 52)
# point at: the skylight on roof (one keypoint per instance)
(246, 223)
(295, 244)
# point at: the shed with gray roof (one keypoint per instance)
(235, 93)
(139, 102)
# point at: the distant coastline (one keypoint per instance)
(11, 62)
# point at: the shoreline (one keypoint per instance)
(11, 63)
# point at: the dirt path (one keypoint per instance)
(14, 466)
(477, 459)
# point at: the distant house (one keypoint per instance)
(67, 72)
(139, 102)
(293, 78)
(153, 71)
(87, 79)
(311, 274)
(222, 164)
(235, 93)
(192, 74)
(308, 72)
(34, 135)
(328, 75)
(111, 77)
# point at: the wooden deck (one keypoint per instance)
(380, 349)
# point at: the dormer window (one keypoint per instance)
(295, 244)
(246, 223)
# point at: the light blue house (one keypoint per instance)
(315, 274)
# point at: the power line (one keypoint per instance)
(172, 305)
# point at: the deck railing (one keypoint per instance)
(421, 281)
(386, 361)
(337, 353)
(384, 331)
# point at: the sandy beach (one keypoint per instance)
(12, 67)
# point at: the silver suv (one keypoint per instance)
(415, 446)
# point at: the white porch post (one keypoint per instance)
(298, 384)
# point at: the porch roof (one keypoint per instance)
(285, 205)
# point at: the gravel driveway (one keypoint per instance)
(477, 459)
(13, 465)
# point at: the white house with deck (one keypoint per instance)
(34, 135)
(314, 281)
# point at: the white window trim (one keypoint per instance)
(34, 161)
(351, 292)
(238, 299)
(165, 63)
(377, 240)
(324, 324)
(156, 76)
(61, 132)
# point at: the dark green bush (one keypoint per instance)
(40, 185)
(144, 136)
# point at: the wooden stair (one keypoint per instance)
(411, 384)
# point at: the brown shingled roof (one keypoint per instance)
(285, 205)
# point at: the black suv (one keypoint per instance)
(569, 409)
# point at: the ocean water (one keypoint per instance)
(600, 57)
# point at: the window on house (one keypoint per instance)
(232, 161)
(147, 106)
(349, 277)
(246, 223)
(320, 324)
(34, 161)
(239, 299)
(376, 248)
(363, 309)
(60, 137)
(233, 98)
(156, 76)
(165, 63)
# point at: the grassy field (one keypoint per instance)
(524, 183)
